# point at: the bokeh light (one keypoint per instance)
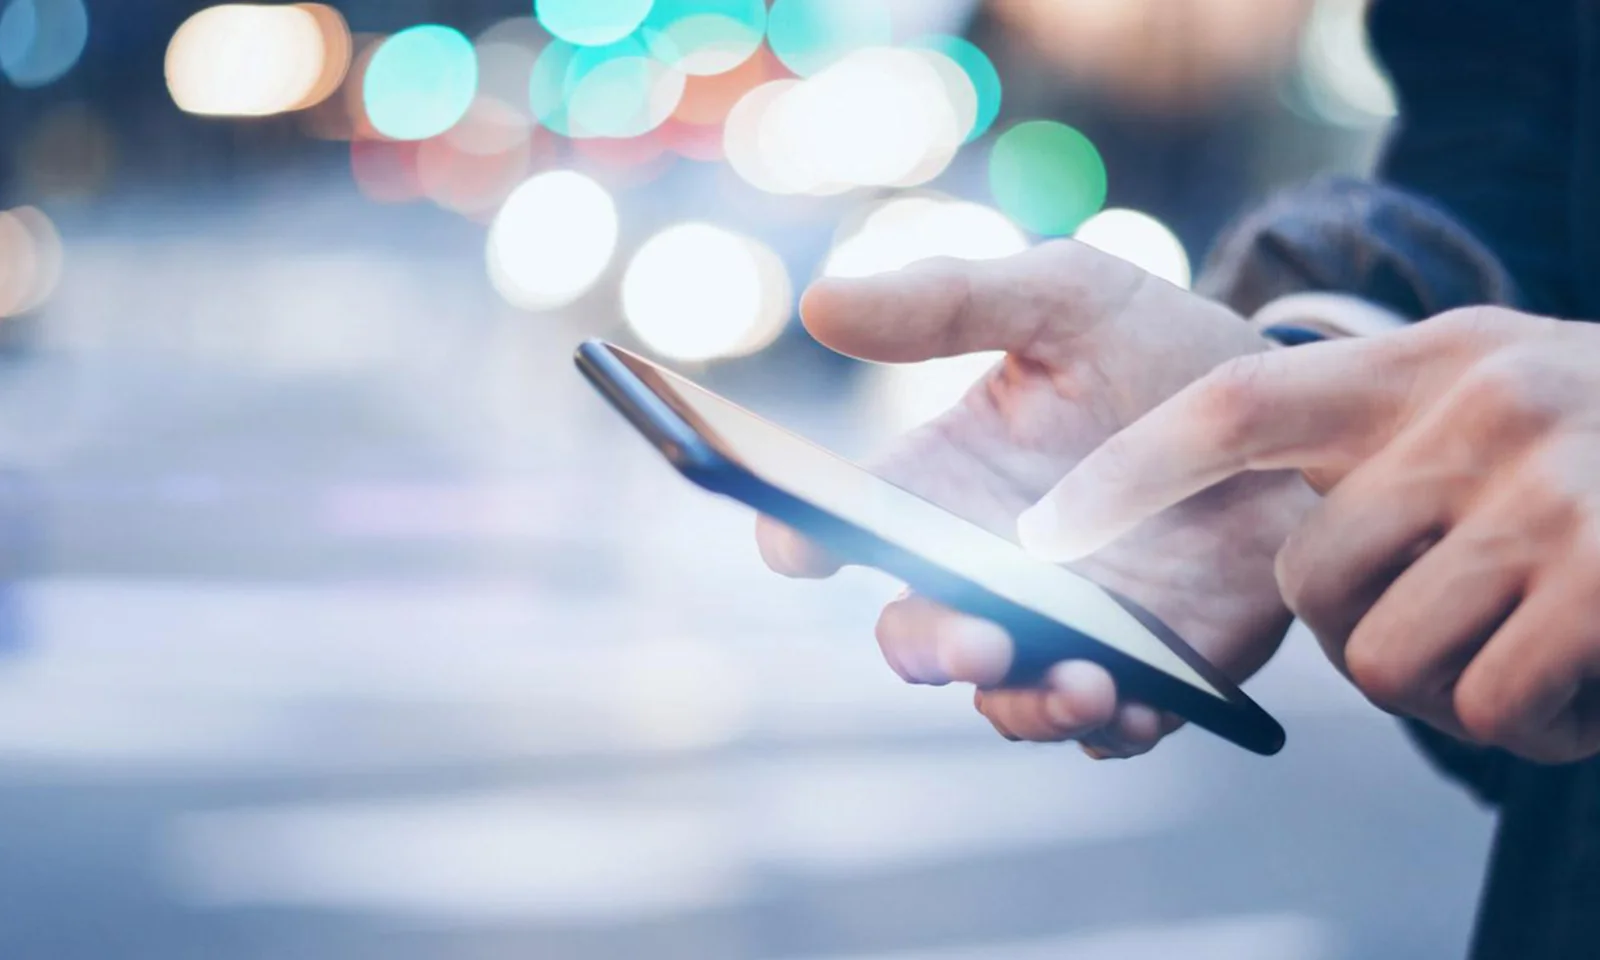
(552, 240)
(385, 171)
(30, 260)
(40, 40)
(591, 23)
(698, 292)
(1047, 176)
(810, 35)
(904, 230)
(1340, 76)
(980, 72)
(879, 117)
(1139, 239)
(743, 135)
(707, 100)
(246, 60)
(619, 90)
(476, 164)
(1159, 56)
(343, 115)
(507, 52)
(338, 48)
(420, 82)
(705, 37)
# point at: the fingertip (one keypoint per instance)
(970, 650)
(1138, 725)
(790, 554)
(824, 307)
(1082, 696)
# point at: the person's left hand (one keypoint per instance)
(1453, 569)
(1091, 342)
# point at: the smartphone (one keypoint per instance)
(1051, 613)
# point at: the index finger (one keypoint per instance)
(1323, 407)
(789, 553)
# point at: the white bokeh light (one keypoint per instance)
(908, 229)
(551, 240)
(246, 60)
(698, 292)
(879, 117)
(1342, 79)
(1139, 239)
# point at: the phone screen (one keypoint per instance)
(851, 493)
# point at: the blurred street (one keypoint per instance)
(348, 624)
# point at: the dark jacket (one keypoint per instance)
(1488, 191)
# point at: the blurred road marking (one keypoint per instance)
(1280, 936)
(656, 845)
(226, 678)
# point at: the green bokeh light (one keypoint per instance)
(978, 68)
(1047, 177)
(705, 36)
(591, 23)
(808, 35)
(617, 90)
(420, 82)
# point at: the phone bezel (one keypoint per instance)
(635, 387)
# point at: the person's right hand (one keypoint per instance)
(1092, 343)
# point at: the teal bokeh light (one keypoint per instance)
(705, 36)
(591, 23)
(1047, 176)
(978, 68)
(420, 82)
(40, 40)
(618, 90)
(808, 35)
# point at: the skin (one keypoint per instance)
(1092, 343)
(1453, 569)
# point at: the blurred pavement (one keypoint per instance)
(350, 625)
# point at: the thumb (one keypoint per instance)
(1035, 300)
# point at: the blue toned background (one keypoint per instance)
(339, 620)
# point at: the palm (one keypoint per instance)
(1205, 567)
(1092, 344)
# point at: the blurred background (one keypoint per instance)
(339, 620)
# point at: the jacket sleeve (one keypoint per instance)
(1487, 126)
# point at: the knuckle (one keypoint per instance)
(1553, 505)
(1472, 324)
(1527, 386)
(1378, 674)
(1234, 399)
(1292, 569)
(1485, 713)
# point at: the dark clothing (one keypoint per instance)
(1500, 107)
(1488, 191)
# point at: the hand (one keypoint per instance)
(1453, 570)
(1092, 343)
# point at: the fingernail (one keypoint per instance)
(1093, 753)
(974, 651)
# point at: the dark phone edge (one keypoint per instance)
(1041, 641)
